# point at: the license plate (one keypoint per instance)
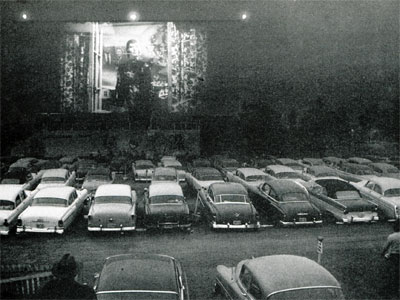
(112, 225)
(168, 226)
(39, 225)
(237, 222)
(302, 219)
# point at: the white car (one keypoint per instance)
(142, 170)
(56, 177)
(248, 176)
(13, 201)
(384, 192)
(113, 208)
(52, 210)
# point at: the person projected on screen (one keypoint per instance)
(134, 89)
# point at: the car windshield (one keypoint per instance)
(49, 201)
(294, 196)
(166, 199)
(112, 199)
(231, 198)
(210, 177)
(347, 195)
(392, 192)
(256, 178)
(145, 295)
(98, 177)
(165, 178)
(325, 293)
(144, 167)
(52, 179)
(6, 205)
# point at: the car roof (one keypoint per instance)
(99, 171)
(62, 192)
(206, 171)
(225, 188)
(359, 160)
(284, 272)
(164, 171)
(383, 166)
(321, 169)
(357, 166)
(386, 182)
(251, 171)
(314, 160)
(55, 173)
(282, 186)
(165, 188)
(333, 159)
(171, 162)
(280, 168)
(143, 162)
(137, 272)
(10, 191)
(113, 190)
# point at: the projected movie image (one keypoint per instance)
(151, 62)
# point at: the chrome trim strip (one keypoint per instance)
(305, 288)
(136, 291)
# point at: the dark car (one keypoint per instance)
(166, 207)
(96, 177)
(202, 177)
(285, 202)
(295, 165)
(227, 165)
(227, 205)
(277, 277)
(82, 168)
(132, 276)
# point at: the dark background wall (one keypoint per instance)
(289, 54)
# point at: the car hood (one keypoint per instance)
(292, 208)
(49, 184)
(234, 211)
(32, 213)
(162, 209)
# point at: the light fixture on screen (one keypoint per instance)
(24, 16)
(244, 16)
(133, 16)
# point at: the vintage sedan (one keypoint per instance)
(277, 277)
(360, 170)
(161, 174)
(295, 165)
(97, 177)
(202, 177)
(339, 199)
(285, 172)
(113, 208)
(332, 161)
(199, 163)
(166, 207)
(248, 176)
(52, 210)
(310, 161)
(56, 177)
(227, 205)
(142, 170)
(171, 163)
(385, 170)
(384, 192)
(82, 168)
(145, 276)
(321, 171)
(227, 165)
(13, 201)
(285, 202)
(359, 160)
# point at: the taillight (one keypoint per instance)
(60, 223)
(89, 217)
(19, 222)
(5, 223)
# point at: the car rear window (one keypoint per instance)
(288, 197)
(211, 177)
(6, 205)
(231, 198)
(52, 179)
(112, 199)
(144, 167)
(166, 199)
(392, 193)
(48, 201)
(347, 195)
(256, 178)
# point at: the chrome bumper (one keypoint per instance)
(21, 229)
(231, 226)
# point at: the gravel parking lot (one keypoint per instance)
(351, 252)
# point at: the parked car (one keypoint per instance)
(97, 177)
(277, 277)
(170, 163)
(384, 192)
(226, 165)
(113, 208)
(56, 177)
(332, 161)
(17, 175)
(146, 276)
(52, 210)
(248, 176)
(295, 165)
(202, 177)
(161, 174)
(262, 163)
(45, 164)
(168, 157)
(285, 202)
(82, 168)
(13, 201)
(385, 170)
(284, 172)
(338, 198)
(359, 160)
(199, 163)
(227, 205)
(142, 170)
(166, 207)
(321, 171)
(120, 165)
(362, 171)
(308, 161)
